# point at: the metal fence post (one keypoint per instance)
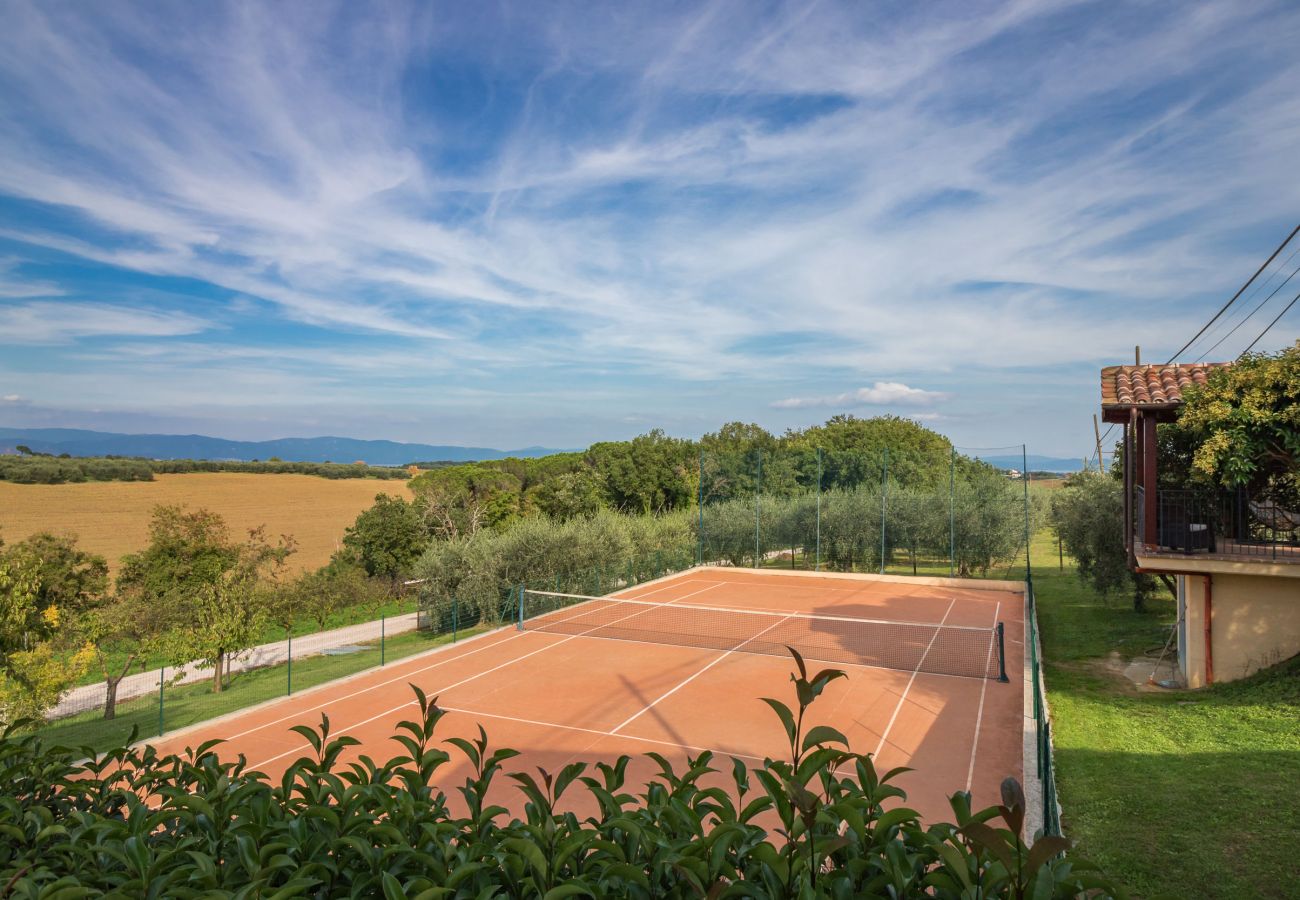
(455, 618)
(817, 558)
(758, 492)
(383, 644)
(1024, 461)
(162, 680)
(700, 499)
(289, 666)
(884, 494)
(952, 512)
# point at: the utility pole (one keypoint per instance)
(1096, 431)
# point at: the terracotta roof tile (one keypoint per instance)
(1124, 387)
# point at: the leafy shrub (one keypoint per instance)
(134, 823)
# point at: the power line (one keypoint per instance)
(1260, 306)
(1270, 325)
(1240, 291)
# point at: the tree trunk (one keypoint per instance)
(217, 679)
(110, 697)
(111, 684)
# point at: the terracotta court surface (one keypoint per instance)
(591, 681)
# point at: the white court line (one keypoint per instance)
(903, 699)
(449, 658)
(979, 717)
(683, 684)
(597, 731)
(768, 613)
(463, 681)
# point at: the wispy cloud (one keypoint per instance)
(46, 322)
(882, 393)
(383, 201)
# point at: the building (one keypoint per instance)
(1234, 559)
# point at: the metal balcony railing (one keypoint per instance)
(1224, 523)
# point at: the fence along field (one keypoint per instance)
(112, 518)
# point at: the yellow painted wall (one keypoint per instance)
(1255, 624)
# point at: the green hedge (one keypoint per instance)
(134, 824)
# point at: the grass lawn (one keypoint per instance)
(187, 704)
(1189, 794)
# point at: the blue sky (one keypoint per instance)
(519, 223)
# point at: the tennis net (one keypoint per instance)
(910, 646)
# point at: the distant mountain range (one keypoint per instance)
(76, 442)
(1035, 463)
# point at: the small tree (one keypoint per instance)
(203, 585)
(125, 621)
(1088, 515)
(227, 614)
(32, 674)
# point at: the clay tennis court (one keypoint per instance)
(678, 665)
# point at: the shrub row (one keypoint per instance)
(822, 823)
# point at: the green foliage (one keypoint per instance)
(386, 538)
(31, 675)
(1245, 424)
(464, 499)
(822, 823)
(480, 569)
(647, 474)
(321, 595)
(40, 468)
(206, 587)
(1088, 516)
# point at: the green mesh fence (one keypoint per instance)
(149, 702)
(931, 512)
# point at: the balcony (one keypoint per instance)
(1216, 525)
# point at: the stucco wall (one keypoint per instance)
(1255, 624)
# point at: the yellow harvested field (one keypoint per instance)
(112, 517)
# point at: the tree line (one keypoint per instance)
(44, 468)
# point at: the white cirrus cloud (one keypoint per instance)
(45, 322)
(882, 393)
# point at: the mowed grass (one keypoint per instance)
(1175, 793)
(112, 518)
(185, 705)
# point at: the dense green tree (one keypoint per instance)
(386, 538)
(568, 494)
(647, 474)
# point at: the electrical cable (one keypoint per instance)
(1270, 325)
(1240, 291)
(1260, 306)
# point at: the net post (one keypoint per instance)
(817, 558)
(1002, 654)
(519, 625)
(162, 680)
(884, 493)
(699, 554)
(288, 688)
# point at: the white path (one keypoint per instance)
(91, 696)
